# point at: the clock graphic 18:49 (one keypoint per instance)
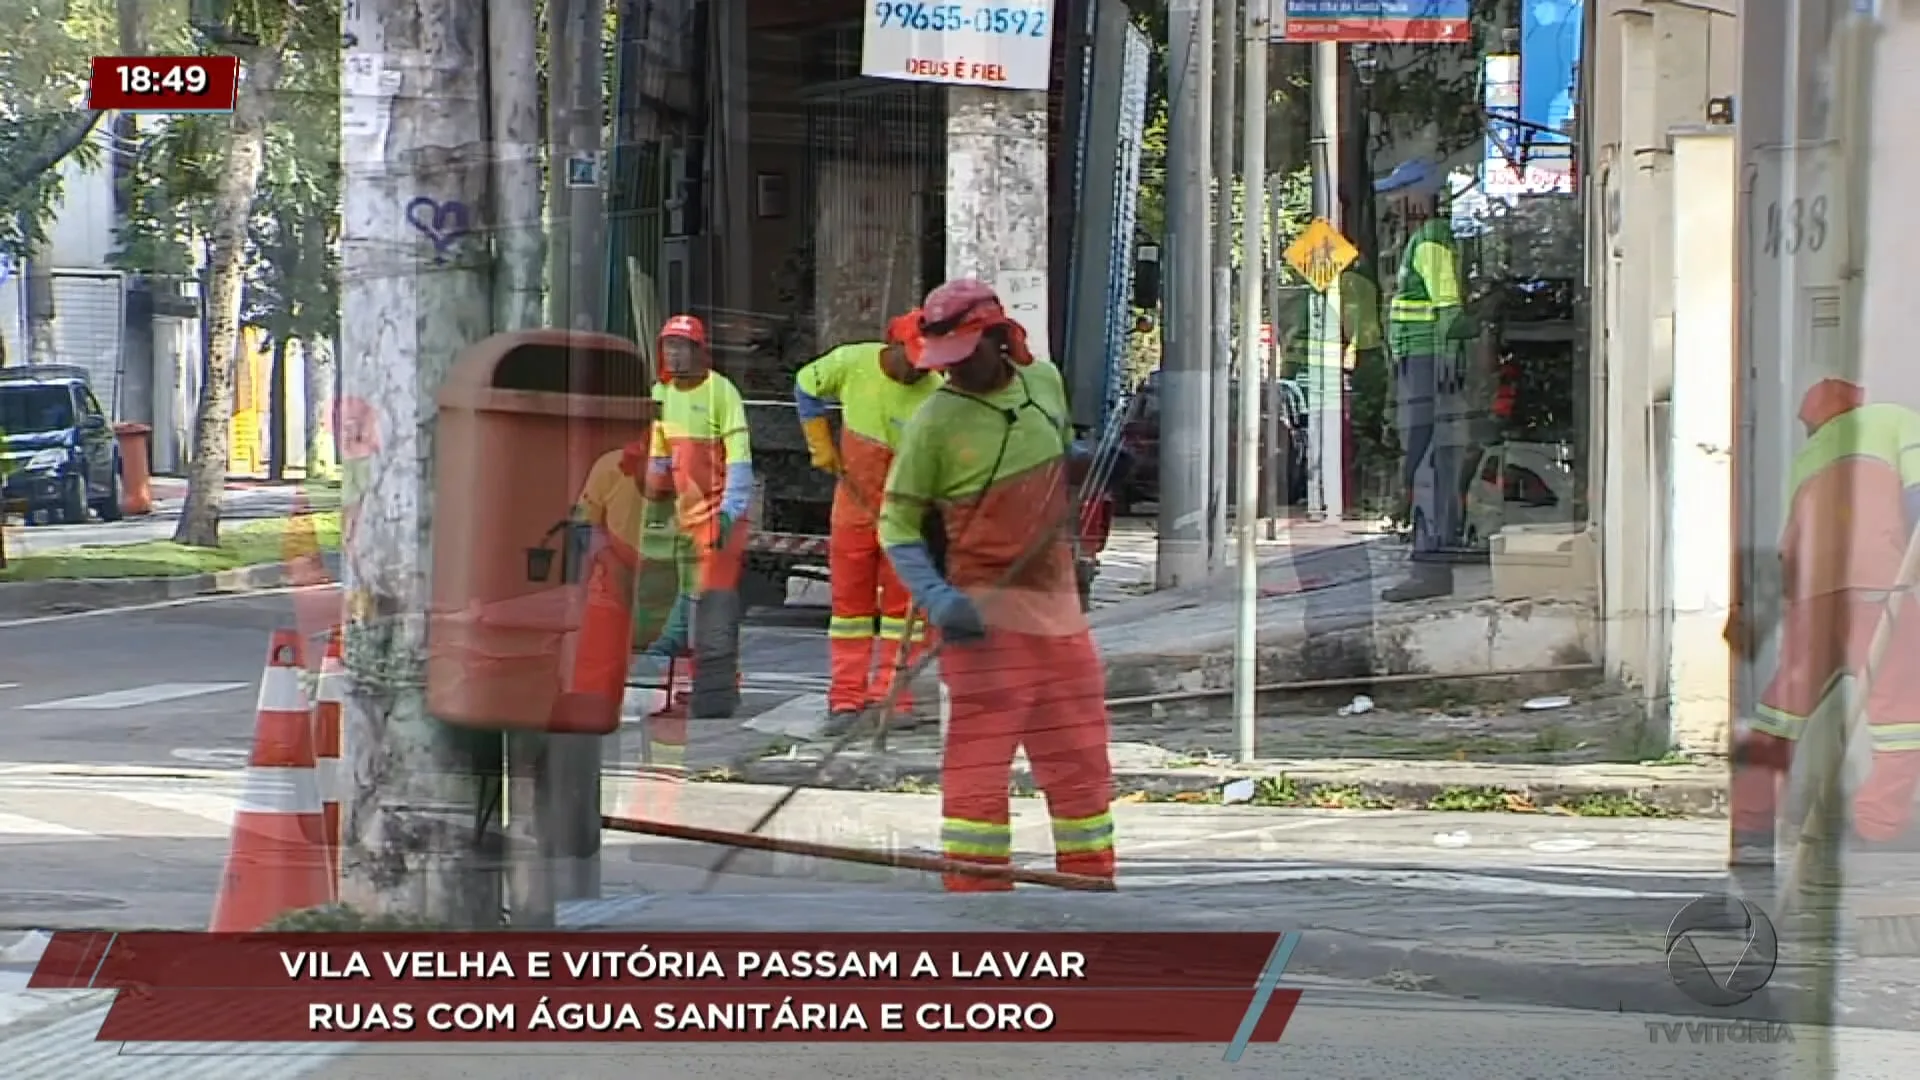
(164, 83)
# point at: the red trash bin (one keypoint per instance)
(523, 418)
(136, 468)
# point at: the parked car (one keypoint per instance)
(1518, 483)
(58, 453)
(1141, 437)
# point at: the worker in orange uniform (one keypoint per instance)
(978, 521)
(1855, 502)
(701, 458)
(639, 586)
(878, 389)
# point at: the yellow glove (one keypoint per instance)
(820, 441)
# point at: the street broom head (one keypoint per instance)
(1888, 928)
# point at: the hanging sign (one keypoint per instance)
(1439, 21)
(1007, 45)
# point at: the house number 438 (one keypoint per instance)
(1795, 226)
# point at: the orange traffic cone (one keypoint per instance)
(315, 608)
(278, 860)
(329, 745)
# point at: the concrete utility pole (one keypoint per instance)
(1186, 335)
(997, 197)
(567, 804)
(1327, 382)
(1246, 676)
(513, 90)
(1226, 35)
(417, 288)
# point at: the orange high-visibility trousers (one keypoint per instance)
(603, 646)
(869, 604)
(1047, 694)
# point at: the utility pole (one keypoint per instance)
(1186, 336)
(567, 806)
(519, 303)
(1220, 402)
(1246, 630)
(1327, 381)
(417, 289)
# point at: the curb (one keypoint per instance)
(1688, 792)
(68, 596)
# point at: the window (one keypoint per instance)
(32, 409)
(91, 404)
(1525, 486)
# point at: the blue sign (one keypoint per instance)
(1549, 68)
(1440, 21)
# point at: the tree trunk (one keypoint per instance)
(322, 461)
(226, 276)
(277, 410)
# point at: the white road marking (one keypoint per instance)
(18, 825)
(1439, 881)
(216, 807)
(228, 758)
(1233, 834)
(9, 686)
(139, 695)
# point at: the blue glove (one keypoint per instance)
(954, 615)
(948, 609)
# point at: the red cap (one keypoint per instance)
(685, 328)
(688, 327)
(952, 320)
(1829, 398)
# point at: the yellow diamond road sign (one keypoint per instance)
(1321, 254)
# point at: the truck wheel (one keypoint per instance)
(73, 500)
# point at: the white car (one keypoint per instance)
(1519, 483)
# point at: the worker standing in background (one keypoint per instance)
(1431, 390)
(1853, 507)
(878, 389)
(978, 521)
(702, 460)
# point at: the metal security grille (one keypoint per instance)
(875, 182)
(89, 329)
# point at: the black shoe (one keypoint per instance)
(841, 721)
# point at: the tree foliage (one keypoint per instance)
(43, 115)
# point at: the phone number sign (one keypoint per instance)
(1004, 45)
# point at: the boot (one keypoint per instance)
(1427, 581)
(841, 721)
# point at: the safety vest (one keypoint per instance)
(874, 410)
(1426, 298)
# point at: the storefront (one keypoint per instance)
(1471, 152)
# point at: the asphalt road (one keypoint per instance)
(175, 684)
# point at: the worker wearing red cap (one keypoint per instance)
(1854, 504)
(700, 457)
(878, 388)
(978, 521)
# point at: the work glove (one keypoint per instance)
(819, 436)
(953, 613)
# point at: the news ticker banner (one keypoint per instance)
(682, 987)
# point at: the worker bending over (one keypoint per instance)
(878, 389)
(1854, 505)
(978, 522)
(701, 459)
(641, 577)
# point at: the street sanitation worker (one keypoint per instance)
(641, 599)
(978, 521)
(878, 388)
(701, 460)
(1854, 505)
